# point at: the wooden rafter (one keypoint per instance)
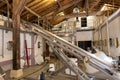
(64, 7)
(50, 8)
(75, 15)
(95, 3)
(20, 6)
(67, 6)
(36, 7)
(33, 2)
(45, 11)
(59, 3)
(34, 13)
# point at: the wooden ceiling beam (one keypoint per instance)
(58, 21)
(64, 7)
(67, 6)
(19, 7)
(44, 6)
(48, 10)
(95, 3)
(59, 3)
(31, 11)
(78, 15)
(75, 15)
(34, 2)
(45, 11)
(40, 4)
(43, 14)
(34, 6)
(34, 13)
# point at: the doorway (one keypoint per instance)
(84, 44)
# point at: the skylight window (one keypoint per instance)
(107, 7)
(61, 14)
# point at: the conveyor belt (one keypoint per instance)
(68, 63)
(58, 43)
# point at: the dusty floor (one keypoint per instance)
(33, 73)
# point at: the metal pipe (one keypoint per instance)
(2, 43)
(108, 38)
(32, 50)
(100, 38)
(111, 18)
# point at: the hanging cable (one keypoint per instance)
(2, 41)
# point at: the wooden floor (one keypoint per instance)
(33, 73)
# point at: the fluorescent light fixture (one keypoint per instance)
(55, 0)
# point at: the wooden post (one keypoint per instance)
(16, 43)
(47, 52)
(18, 6)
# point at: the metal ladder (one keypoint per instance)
(58, 43)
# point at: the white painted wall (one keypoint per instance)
(8, 54)
(68, 38)
(27, 37)
(90, 24)
(84, 36)
(96, 38)
(38, 51)
(114, 32)
(7, 37)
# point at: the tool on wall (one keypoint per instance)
(10, 45)
(26, 51)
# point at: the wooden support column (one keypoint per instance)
(18, 6)
(16, 43)
(47, 52)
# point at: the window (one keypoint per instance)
(84, 22)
